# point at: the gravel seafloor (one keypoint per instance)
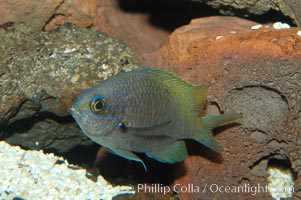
(35, 175)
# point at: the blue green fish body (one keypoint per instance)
(147, 110)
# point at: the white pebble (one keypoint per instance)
(219, 37)
(299, 33)
(280, 25)
(256, 27)
(69, 50)
(280, 182)
(35, 175)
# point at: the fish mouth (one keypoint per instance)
(76, 113)
(88, 124)
(85, 125)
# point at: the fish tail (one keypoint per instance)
(207, 123)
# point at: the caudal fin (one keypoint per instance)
(208, 123)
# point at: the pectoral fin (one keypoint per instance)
(172, 153)
(128, 155)
(145, 128)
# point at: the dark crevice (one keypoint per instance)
(13, 111)
(118, 170)
(168, 15)
(271, 156)
(171, 14)
(250, 130)
(268, 17)
(244, 179)
(25, 124)
(283, 97)
(284, 163)
(274, 162)
(54, 15)
(81, 155)
(272, 16)
(213, 103)
(277, 140)
(8, 26)
(262, 159)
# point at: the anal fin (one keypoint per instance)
(172, 153)
(128, 155)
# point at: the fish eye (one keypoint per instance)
(98, 105)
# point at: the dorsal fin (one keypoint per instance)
(200, 96)
(197, 94)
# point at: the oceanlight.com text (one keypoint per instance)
(209, 188)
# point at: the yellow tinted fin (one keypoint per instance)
(175, 152)
(211, 121)
(207, 123)
(128, 155)
(196, 94)
(199, 97)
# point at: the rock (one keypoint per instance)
(76, 12)
(105, 15)
(291, 8)
(200, 29)
(246, 8)
(143, 25)
(254, 72)
(134, 28)
(48, 14)
(35, 13)
(40, 75)
(234, 7)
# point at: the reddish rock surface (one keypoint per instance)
(199, 30)
(77, 12)
(48, 14)
(134, 28)
(254, 72)
(35, 13)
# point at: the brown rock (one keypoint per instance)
(134, 28)
(199, 30)
(35, 13)
(48, 14)
(41, 73)
(289, 8)
(254, 72)
(77, 12)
